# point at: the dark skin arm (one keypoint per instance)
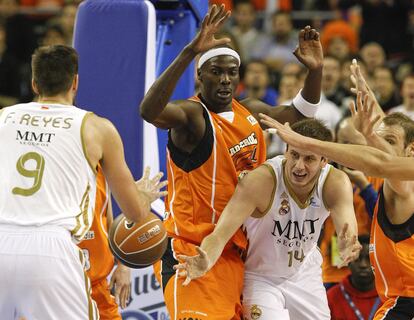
(155, 107)
(309, 53)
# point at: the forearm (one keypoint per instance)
(311, 91)
(370, 161)
(161, 91)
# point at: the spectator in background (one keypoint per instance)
(407, 94)
(365, 196)
(373, 56)
(331, 77)
(339, 40)
(292, 69)
(355, 297)
(276, 49)
(244, 16)
(385, 22)
(9, 72)
(256, 81)
(67, 20)
(385, 88)
(54, 35)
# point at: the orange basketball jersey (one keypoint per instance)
(100, 260)
(331, 273)
(201, 183)
(392, 254)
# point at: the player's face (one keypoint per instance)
(219, 78)
(361, 268)
(302, 167)
(394, 135)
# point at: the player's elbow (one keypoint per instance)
(145, 112)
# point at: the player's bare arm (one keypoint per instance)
(371, 161)
(155, 107)
(338, 197)
(103, 144)
(309, 53)
(365, 115)
(244, 203)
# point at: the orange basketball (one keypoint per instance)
(138, 245)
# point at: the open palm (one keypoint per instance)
(309, 51)
(212, 23)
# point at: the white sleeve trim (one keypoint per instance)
(304, 107)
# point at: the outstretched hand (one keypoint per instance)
(309, 50)
(364, 115)
(348, 246)
(284, 131)
(193, 267)
(212, 23)
(151, 188)
(361, 85)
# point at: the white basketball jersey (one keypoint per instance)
(46, 178)
(281, 240)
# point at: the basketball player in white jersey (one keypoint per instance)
(49, 155)
(285, 202)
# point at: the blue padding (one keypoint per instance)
(111, 38)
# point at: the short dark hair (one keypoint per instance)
(54, 68)
(313, 128)
(405, 122)
(363, 239)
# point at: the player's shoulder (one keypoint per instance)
(336, 183)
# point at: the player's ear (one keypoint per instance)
(409, 150)
(324, 162)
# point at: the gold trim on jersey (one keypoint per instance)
(82, 215)
(302, 205)
(83, 141)
(324, 181)
(272, 199)
(92, 307)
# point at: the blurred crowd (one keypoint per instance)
(24, 26)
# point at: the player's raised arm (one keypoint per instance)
(309, 53)
(155, 107)
(244, 202)
(371, 161)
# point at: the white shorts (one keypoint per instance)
(42, 275)
(301, 297)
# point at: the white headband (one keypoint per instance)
(217, 52)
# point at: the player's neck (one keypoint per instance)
(59, 99)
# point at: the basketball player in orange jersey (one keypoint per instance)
(99, 258)
(365, 196)
(48, 176)
(212, 139)
(392, 231)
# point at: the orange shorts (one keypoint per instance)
(400, 308)
(108, 309)
(216, 295)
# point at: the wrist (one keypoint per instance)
(317, 68)
(190, 50)
(305, 107)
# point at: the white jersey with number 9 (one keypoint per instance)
(46, 177)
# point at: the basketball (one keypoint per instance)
(138, 245)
